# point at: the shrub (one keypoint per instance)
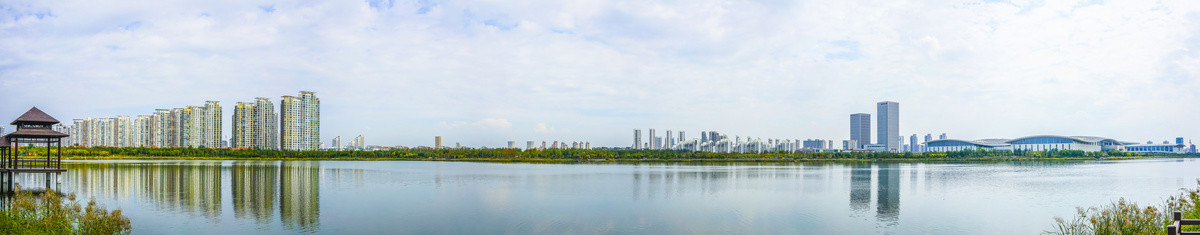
(51, 214)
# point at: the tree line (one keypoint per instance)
(575, 154)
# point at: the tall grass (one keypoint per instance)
(51, 214)
(1123, 217)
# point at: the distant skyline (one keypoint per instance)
(483, 73)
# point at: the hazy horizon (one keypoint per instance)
(483, 73)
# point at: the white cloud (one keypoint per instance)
(974, 69)
(482, 124)
(542, 128)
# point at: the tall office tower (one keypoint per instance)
(651, 137)
(1179, 140)
(681, 139)
(512, 144)
(703, 136)
(668, 141)
(942, 137)
(637, 138)
(360, 142)
(300, 126)
(437, 142)
(860, 129)
(528, 144)
(888, 116)
(912, 144)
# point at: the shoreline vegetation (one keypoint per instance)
(1124, 217)
(505, 155)
(54, 213)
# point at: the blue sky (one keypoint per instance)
(485, 72)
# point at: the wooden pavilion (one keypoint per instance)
(33, 129)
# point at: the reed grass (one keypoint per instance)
(1124, 217)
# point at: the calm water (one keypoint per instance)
(381, 197)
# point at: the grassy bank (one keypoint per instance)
(51, 213)
(1123, 217)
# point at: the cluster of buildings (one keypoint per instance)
(256, 125)
(358, 143)
(888, 139)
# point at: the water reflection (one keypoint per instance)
(254, 191)
(888, 208)
(258, 189)
(300, 203)
(860, 188)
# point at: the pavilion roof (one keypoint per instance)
(35, 116)
(35, 133)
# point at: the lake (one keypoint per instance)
(414, 197)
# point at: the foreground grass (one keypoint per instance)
(51, 214)
(1123, 217)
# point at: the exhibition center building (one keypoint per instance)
(1048, 142)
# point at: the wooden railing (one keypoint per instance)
(1178, 222)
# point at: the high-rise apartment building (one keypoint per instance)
(210, 125)
(528, 144)
(161, 128)
(360, 142)
(668, 142)
(254, 125)
(437, 142)
(637, 138)
(888, 116)
(942, 137)
(860, 129)
(300, 122)
(651, 138)
(337, 142)
(241, 125)
(141, 131)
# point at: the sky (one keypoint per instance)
(485, 72)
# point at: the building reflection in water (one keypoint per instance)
(860, 188)
(257, 188)
(192, 188)
(299, 198)
(254, 192)
(888, 208)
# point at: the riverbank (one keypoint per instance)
(571, 155)
(648, 160)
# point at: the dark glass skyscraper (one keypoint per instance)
(860, 129)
